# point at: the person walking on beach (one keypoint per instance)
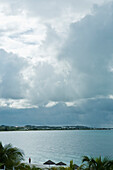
(29, 160)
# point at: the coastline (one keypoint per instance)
(47, 128)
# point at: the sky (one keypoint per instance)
(56, 62)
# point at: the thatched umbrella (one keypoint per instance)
(49, 162)
(61, 164)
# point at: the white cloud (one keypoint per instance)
(24, 24)
(51, 104)
(16, 104)
(20, 34)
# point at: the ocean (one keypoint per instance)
(58, 146)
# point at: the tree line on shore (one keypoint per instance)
(11, 159)
(33, 127)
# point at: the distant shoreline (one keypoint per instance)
(47, 128)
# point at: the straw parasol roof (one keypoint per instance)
(61, 163)
(49, 162)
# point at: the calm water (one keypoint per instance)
(61, 145)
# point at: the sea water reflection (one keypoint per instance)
(61, 145)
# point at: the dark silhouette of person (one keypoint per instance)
(29, 160)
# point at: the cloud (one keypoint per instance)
(93, 113)
(96, 112)
(57, 58)
(88, 50)
(78, 68)
(16, 104)
(21, 34)
(11, 82)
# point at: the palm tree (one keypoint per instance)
(10, 156)
(71, 165)
(96, 163)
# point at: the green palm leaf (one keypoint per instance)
(10, 156)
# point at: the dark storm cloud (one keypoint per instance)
(95, 113)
